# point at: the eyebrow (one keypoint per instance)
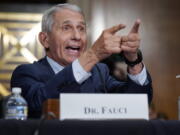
(69, 22)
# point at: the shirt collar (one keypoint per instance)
(54, 65)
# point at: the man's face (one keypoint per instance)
(67, 39)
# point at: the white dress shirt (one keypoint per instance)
(81, 75)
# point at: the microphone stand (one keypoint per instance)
(177, 76)
(42, 120)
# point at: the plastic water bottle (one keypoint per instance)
(15, 106)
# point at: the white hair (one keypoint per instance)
(47, 19)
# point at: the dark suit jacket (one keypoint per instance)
(39, 82)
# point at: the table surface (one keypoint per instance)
(89, 127)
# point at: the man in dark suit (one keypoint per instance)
(69, 67)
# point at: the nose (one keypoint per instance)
(76, 35)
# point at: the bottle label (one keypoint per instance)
(16, 112)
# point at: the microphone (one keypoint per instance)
(177, 76)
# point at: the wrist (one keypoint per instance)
(134, 60)
(88, 59)
(135, 69)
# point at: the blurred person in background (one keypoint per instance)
(117, 67)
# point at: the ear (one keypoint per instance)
(43, 38)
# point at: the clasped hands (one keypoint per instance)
(109, 43)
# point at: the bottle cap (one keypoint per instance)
(16, 90)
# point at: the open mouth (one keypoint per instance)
(74, 48)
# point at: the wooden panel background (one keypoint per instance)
(160, 32)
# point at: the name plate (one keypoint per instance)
(103, 106)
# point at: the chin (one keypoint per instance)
(71, 60)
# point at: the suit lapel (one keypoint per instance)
(46, 65)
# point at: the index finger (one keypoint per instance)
(115, 29)
(135, 27)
